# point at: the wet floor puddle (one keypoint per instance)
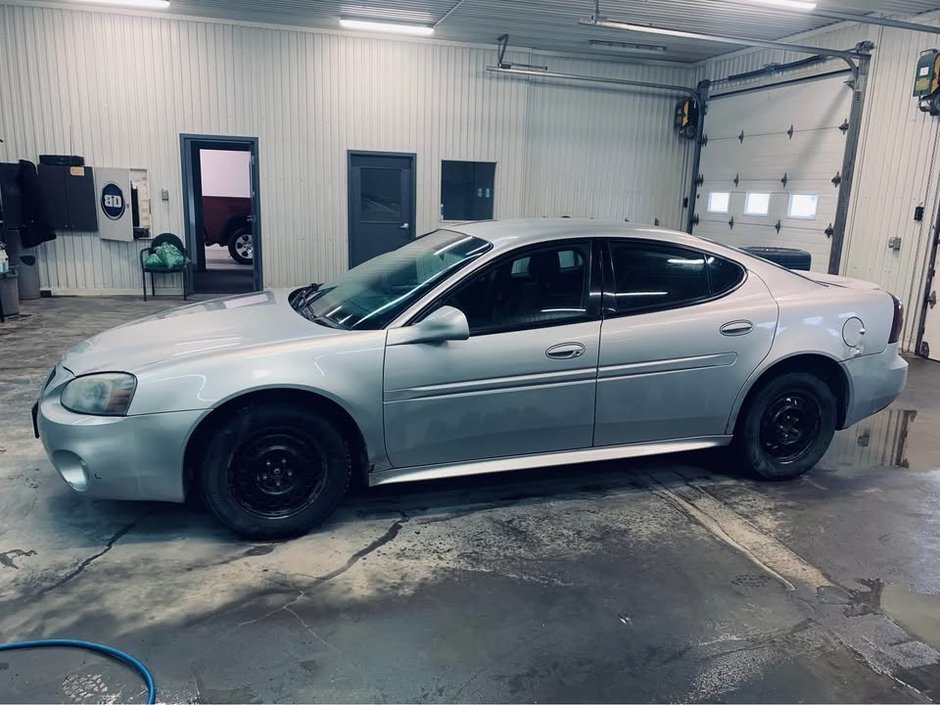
(897, 438)
(917, 613)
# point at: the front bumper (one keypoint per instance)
(116, 457)
(874, 382)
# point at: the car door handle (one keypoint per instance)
(737, 328)
(565, 351)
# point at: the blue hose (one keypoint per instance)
(98, 648)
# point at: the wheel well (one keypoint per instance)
(826, 369)
(231, 226)
(199, 439)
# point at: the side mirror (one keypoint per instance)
(446, 323)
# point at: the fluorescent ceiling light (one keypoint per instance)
(646, 29)
(789, 4)
(628, 47)
(422, 30)
(140, 4)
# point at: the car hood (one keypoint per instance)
(202, 329)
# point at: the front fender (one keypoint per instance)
(345, 369)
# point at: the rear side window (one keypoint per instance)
(653, 276)
(723, 275)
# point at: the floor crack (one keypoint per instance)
(91, 559)
(385, 538)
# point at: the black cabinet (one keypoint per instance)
(70, 197)
(11, 212)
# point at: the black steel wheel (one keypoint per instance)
(790, 425)
(786, 426)
(275, 470)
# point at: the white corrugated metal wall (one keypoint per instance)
(898, 166)
(120, 89)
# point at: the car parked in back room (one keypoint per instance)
(478, 348)
(226, 222)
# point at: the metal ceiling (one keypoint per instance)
(552, 25)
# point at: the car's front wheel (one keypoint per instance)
(787, 426)
(275, 471)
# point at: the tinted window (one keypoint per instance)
(542, 287)
(467, 190)
(380, 200)
(653, 276)
(723, 275)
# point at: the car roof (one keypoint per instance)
(523, 231)
(516, 232)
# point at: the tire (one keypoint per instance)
(787, 426)
(275, 471)
(240, 246)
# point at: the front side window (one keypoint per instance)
(544, 286)
(369, 296)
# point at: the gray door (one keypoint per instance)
(684, 332)
(381, 204)
(522, 383)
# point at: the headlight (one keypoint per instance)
(105, 394)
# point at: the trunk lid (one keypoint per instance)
(843, 282)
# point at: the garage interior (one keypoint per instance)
(756, 123)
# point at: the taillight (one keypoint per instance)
(898, 323)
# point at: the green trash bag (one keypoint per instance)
(166, 256)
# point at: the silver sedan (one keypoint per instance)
(479, 348)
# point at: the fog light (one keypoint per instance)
(72, 469)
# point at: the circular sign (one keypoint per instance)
(112, 201)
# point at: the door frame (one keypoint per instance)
(350, 153)
(189, 142)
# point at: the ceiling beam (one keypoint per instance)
(837, 15)
(608, 23)
(511, 70)
(449, 12)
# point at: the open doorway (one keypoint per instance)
(223, 225)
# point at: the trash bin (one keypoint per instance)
(27, 274)
(784, 256)
(9, 296)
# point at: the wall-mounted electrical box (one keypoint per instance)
(686, 121)
(927, 81)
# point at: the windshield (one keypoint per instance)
(369, 296)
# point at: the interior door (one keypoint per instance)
(683, 333)
(524, 382)
(381, 204)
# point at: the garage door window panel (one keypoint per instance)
(803, 206)
(547, 286)
(757, 203)
(719, 201)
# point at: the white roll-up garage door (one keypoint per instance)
(769, 164)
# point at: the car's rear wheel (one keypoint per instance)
(241, 246)
(787, 426)
(275, 470)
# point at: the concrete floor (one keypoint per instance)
(672, 579)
